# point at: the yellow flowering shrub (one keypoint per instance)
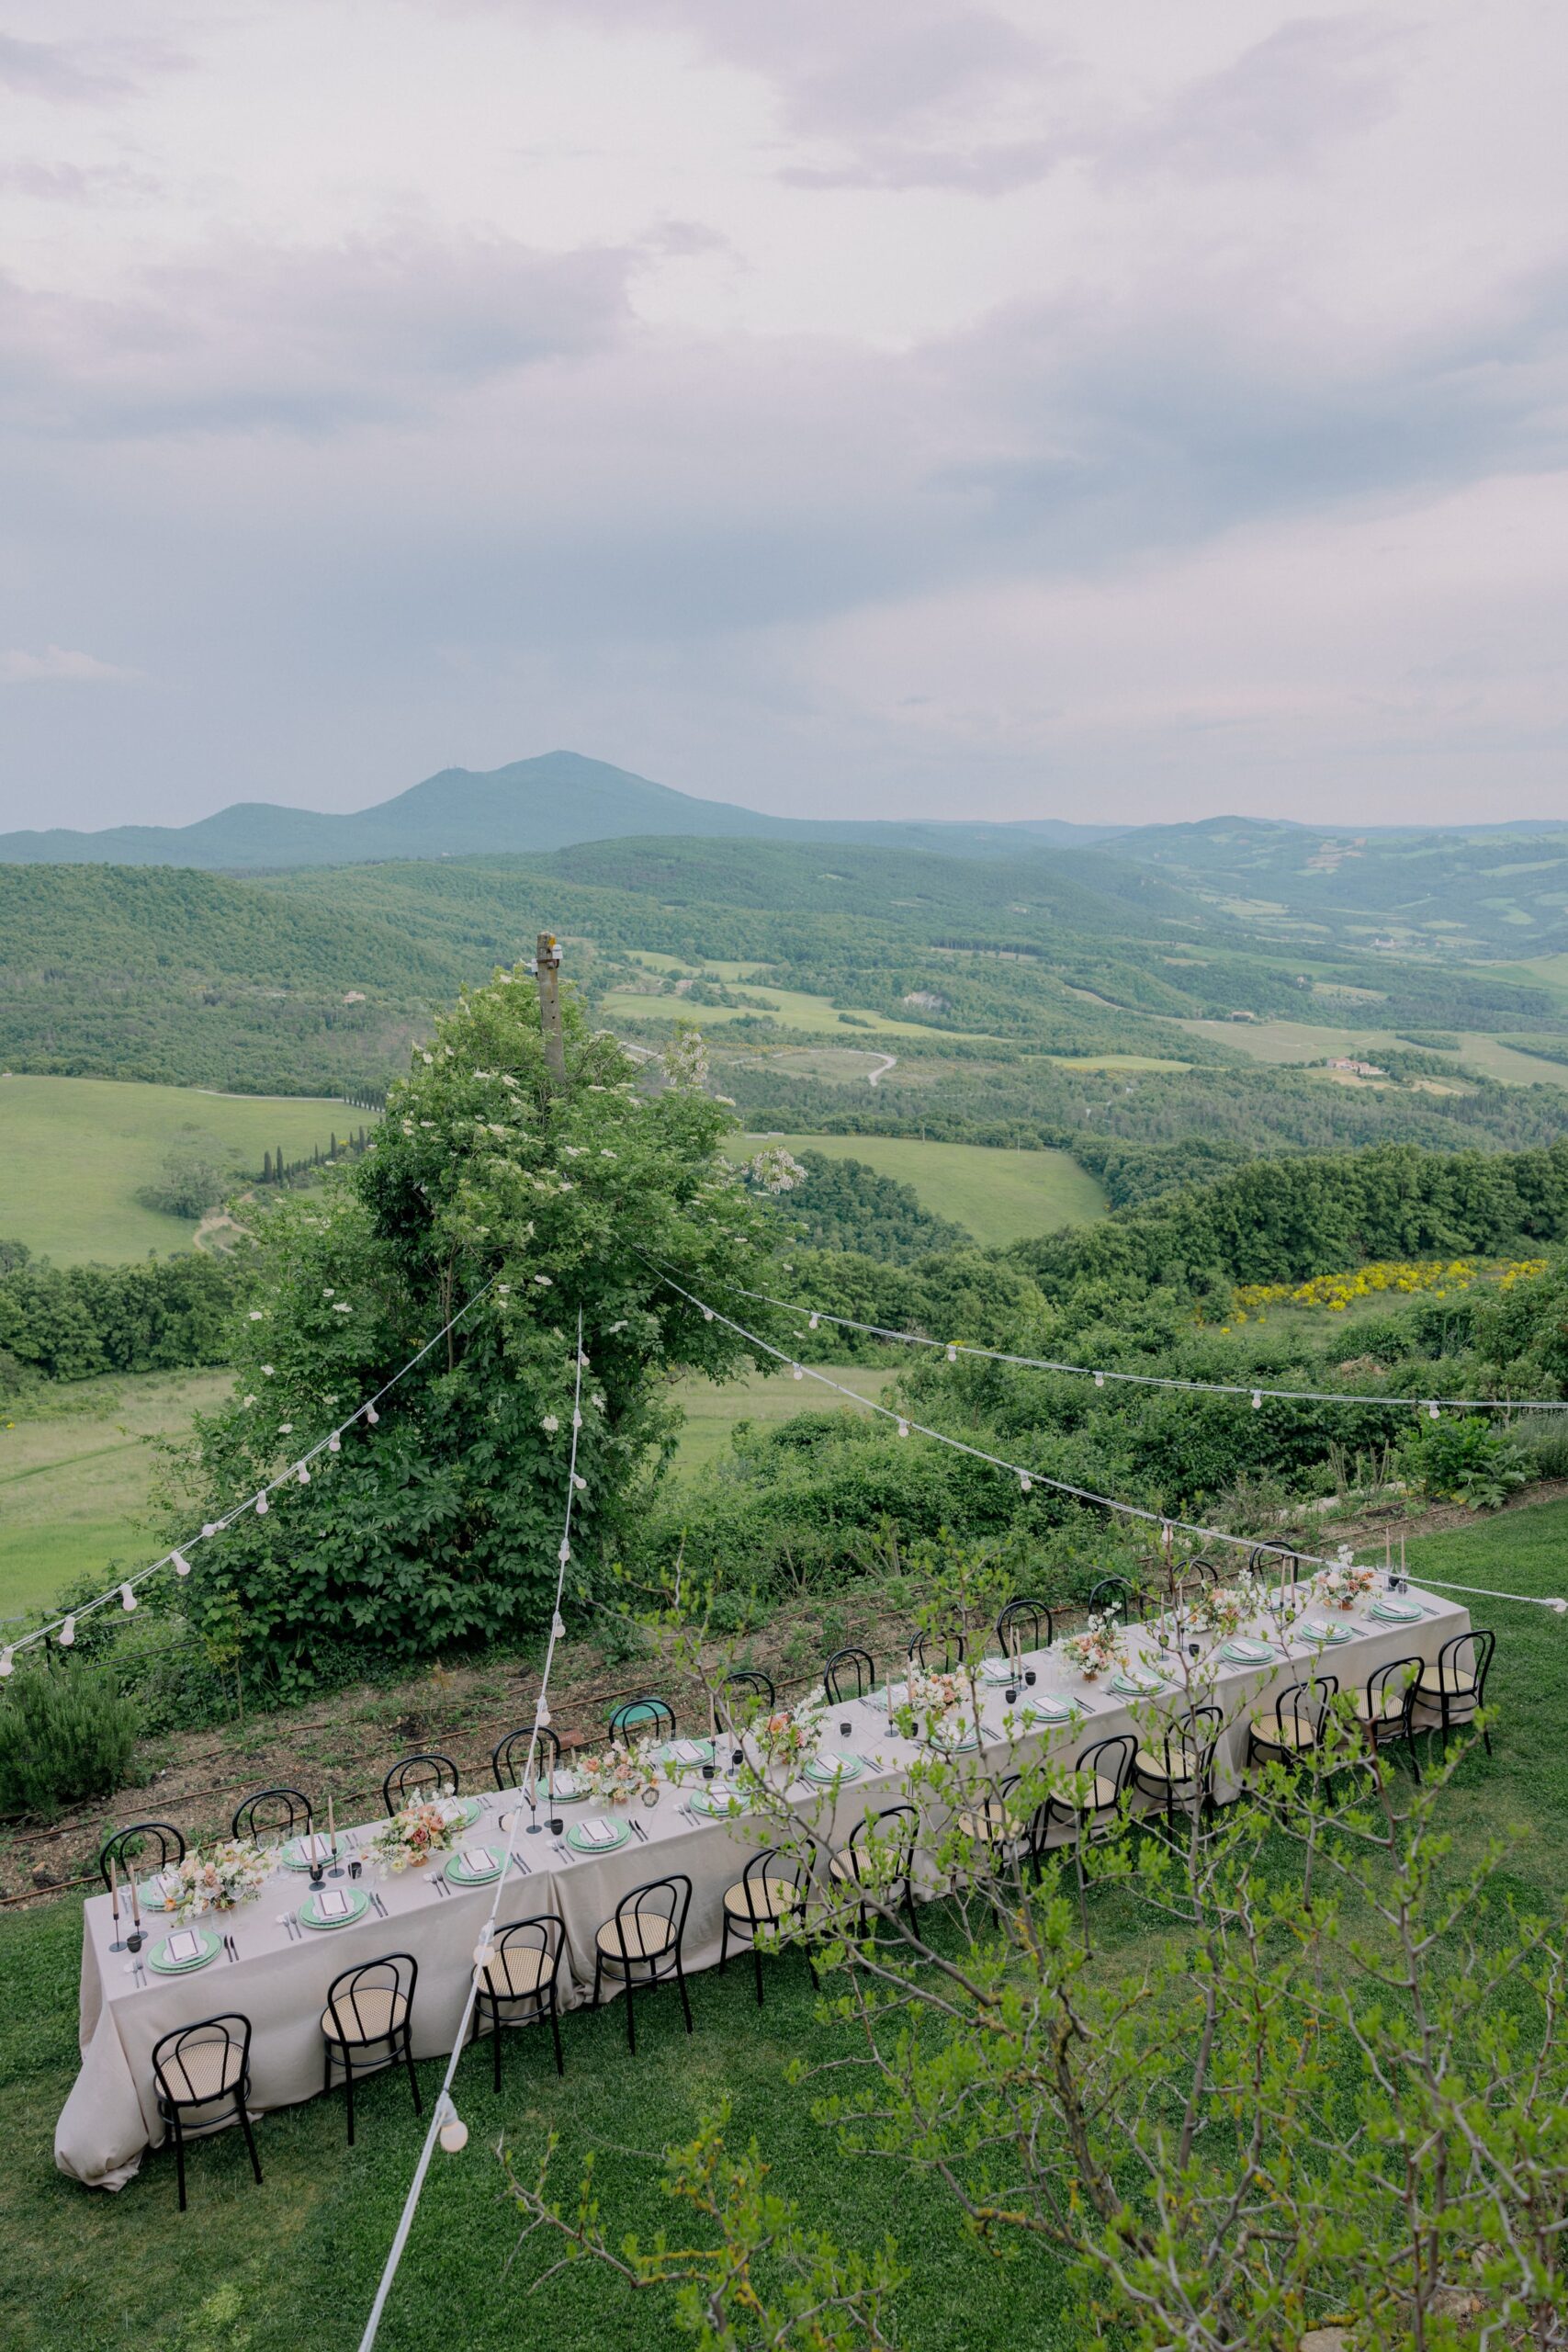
(1406, 1276)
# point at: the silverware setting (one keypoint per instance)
(638, 1831)
(289, 1925)
(377, 1905)
(233, 1949)
(140, 1978)
(442, 1889)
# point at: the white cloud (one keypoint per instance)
(59, 664)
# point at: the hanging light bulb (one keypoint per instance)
(707, 1315)
(127, 1598)
(261, 1506)
(180, 1565)
(796, 1373)
(302, 1475)
(812, 1322)
(542, 1717)
(953, 1355)
(68, 1632)
(1257, 1400)
(1026, 1482)
(1100, 1380)
(903, 1429)
(371, 1415)
(334, 1443)
(7, 1662)
(557, 1625)
(211, 1528)
(454, 2132)
(1431, 1412)
(564, 1552)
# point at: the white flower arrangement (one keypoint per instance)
(1100, 1646)
(425, 1825)
(218, 1880)
(620, 1775)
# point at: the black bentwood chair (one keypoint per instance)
(949, 1644)
(124, 1846)
(202, 2077)
(770, 1891)
(748, 1687)
(414, 1776)
(1114, 1597)
(1180, 1769)
(880, 1860)
(1019, 1625)
(846, 1667)
(1292, 1730)
(1003, 1836)
(1385, 1710)
(1455, 1689)
(1092, 1798)
(509, 1757)
(648, 1718)
(366, 2024)
(517, 1982)
(273, 1813)
(645, 1933)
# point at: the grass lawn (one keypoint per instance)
(74, 1151)
(1283, 1042)
(793, 1007)
(256, 2270)
(73, 1485)
(999, 1196)
(712, 1408)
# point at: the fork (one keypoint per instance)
(232, 1948)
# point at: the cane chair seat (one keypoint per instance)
(1283, 1732)
(1182, 1765)
(764, 1899)
(1452, 1680)
(1090, 1792)
(517, 1970)
(201, 2070)
(374, 2012)
(994, 1823)
(646, 1934)
(1389, 1708)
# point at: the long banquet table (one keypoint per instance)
(281, 1984)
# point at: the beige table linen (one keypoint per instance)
(281, 1986)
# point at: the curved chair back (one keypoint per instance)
(897, 1845)
(1187, 1748)
(1102, 1771)
(746, 1686)
(1468, 1659)
(1020, 1623)
(771, 1864)
(192, 2065)
(362, 2003)
(848, 1673)
(510, 1979)
(123, 1846)
(948, 1643)
(667, 1899)
(1391, 1692)
(272, 1813)
(509, 1757)
(412, 1776)
(1201, 1571)
(643, 1719)
(1114, 1596)
(1308, 1703)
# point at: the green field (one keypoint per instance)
(74, 1152)
(999, 1196)
(74, 1484)
(1282, 1042)
(712, 1408)
(251, 2269)
(792, 1007)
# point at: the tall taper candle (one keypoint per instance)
(114, 1896)
(135, 1899)
(332, 1830)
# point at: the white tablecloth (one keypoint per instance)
(282, 1984)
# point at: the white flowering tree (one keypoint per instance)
(438, 1524)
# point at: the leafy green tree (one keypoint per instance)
(495, 1189)
(191, 1180)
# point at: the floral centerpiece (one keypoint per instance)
(620, 1775)
(934, 1696)
(425, 1825)
(218, 1880)
(784, 1737)
(1100, 1646)
(1341, 1588)
(1225, 1609)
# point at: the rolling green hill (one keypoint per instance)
(999, 1196)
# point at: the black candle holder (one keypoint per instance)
(1012, 1694)
(317, 1875)
(846, 1731)
(737, 1757)
(556, 1824)
(355, 1869)
(1029, 1678)
(135, 1940)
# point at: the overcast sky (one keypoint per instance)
(854, 406)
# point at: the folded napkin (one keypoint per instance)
(997, 1670)
(689, 1751)
(316, 1849)
(183, 1945)
(478, 1860)
(599, 1833)
(331, 1904)
(1396, 1612)
(1140, 1679)
(828, 1762)
(1246, 1651)
(1317, 1629)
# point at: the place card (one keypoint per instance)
(316, 1849)
(478, 1860)
(599, 1833)
(331, 1904)
(184, 1945)
(688, 1751)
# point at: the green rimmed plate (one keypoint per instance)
(1134, 1686)
(685, 1755)
(294, 1857)
(826, 1769)
(577, 1837)
(945, 1744)
(358, 1902)
(161, 1965)
(1317, 1629)
(569, 1789)
(1246, 1651)
(1029, 1712)
(716, 1805)
(891, 1695)
(460, 1875)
